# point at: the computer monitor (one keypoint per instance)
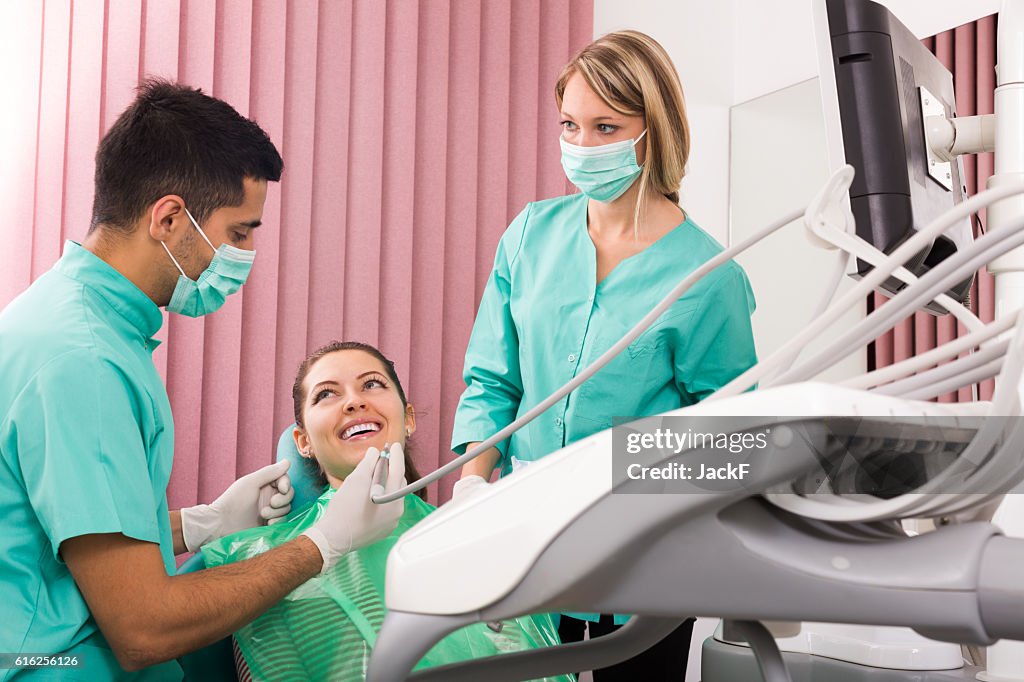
(878, 84)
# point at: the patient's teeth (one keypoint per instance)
(360, 428)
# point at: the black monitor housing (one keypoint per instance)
(878, 85)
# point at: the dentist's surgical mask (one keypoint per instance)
(224, 276)
(604, 172)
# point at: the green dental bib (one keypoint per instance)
(326, 628)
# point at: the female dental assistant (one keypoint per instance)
(573, 274)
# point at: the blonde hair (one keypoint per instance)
(634, 75)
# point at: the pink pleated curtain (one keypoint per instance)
(412, 132)
(969, 52)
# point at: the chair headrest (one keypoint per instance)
(304, 473)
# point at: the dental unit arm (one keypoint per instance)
(757, 562)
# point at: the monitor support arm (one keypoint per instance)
(949, 138)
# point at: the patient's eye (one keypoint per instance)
(321, 394)
(375, 381)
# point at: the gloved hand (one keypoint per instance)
(467, 486)
(351, 519)
(240, 506)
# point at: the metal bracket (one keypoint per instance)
(939, 170)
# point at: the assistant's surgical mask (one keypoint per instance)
(225, 275)
(603, 172)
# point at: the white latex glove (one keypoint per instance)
(468, 486)
(244, 504)
(351, 519)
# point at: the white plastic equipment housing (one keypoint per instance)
(875, 646)
(498, 534)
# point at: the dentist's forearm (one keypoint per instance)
(148, 616)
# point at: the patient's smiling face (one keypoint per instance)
(350, 404)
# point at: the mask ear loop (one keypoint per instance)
(205, 238)
(175, 260)
(640, 137)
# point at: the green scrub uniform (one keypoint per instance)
(86, 441)
(544, 317)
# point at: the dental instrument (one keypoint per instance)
(380, 471)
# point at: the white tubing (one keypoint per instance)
(984, 249)
(905, 387)
(868, 284)
(932, 357)
(990, 468)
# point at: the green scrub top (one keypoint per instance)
(543, 318)
(86, 442)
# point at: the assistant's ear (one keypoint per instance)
(165, 216)
(410, 420)
(302, 442)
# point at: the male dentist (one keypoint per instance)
(86, 433)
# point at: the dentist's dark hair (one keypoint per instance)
(174, 139)
(299, 396)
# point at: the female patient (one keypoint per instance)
(347, 399)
